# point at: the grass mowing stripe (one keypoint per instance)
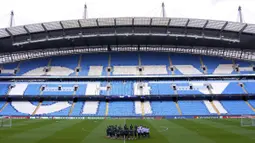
(232, 122)
(74, 133)
(33, 135)
(98, 134)
(155, 135)
(237, 130)
(29, 124)
(24, 122)
(216, 133)
(180, 134)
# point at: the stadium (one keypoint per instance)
(66, 81)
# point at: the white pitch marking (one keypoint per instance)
(124, 135)
(165, 128)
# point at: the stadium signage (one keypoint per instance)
(19, 117)
(127, 117)
(207, 117)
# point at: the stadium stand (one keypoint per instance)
(97, 49)
(149, 63)
(127, 64)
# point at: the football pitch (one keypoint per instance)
(93, 131)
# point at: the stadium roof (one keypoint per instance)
(128, 31)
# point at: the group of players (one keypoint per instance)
(119, 132)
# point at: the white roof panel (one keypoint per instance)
(32, 28)
(142, 21)
(3, 33)
(160, 21)
(178, 22)
(234, 26)
(88, 22)
(124, 21)
(250, 29)
(17, 30)
(52, 25)
(197, 23)
(213, 24)
(70, 24)
(106, 21)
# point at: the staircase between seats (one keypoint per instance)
(38, 106)
(215, 108)
(170, 63)
(142, 108)
(252, 108)
(6, 103)
(178, 107)
(106, 109)
(202, 64)
(71, 109)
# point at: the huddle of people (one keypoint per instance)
(130, 133)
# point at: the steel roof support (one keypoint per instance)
(186, 26)
(168, 23)
(115, 33)
(98, 33)
(222, 28)
(46, 31)
(80, 27)
(10, 35)
(30, 37)
(241, 31)
(63, 29)
(150, 25)
(133, 31)
(207, 21)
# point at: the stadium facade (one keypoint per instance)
(128, 67)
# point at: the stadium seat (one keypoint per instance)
(4, 89)
(237, 107)
(120, 108)
(164, 108)
(193, 108)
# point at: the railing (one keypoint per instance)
(248, 55)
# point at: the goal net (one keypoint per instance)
(248, 121)
(5, 122)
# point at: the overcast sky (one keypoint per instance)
(37, 11)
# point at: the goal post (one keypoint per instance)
(248, 121)
(5, 122)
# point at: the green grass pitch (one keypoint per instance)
(162, 131)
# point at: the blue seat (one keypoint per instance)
(250, 87)
(101, 109)
(32, 64)
(233, 88)
(4, 89)
(193, 108)
(164, 108)
(121, 109)
(124, 59)
(161, 89)
(237, 107)
(252, 102)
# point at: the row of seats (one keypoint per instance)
(122, 108)
(127, 88)
(183, 64)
